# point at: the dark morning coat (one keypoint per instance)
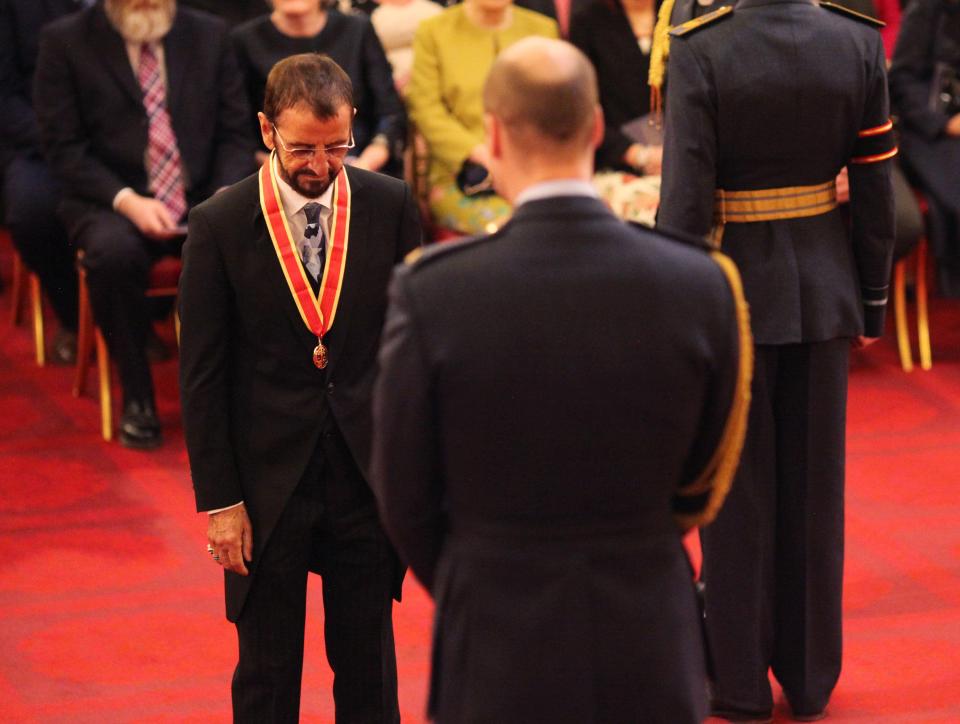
(92, 119)
(808, 279)
(544, 395)
(253, 402)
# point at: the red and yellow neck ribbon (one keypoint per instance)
(318, 313)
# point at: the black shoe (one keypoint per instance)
(741, 716)
(63, 350)
(139, 426)
(809, 716)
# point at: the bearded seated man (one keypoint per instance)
(142, 115)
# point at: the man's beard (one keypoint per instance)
(141, 25)
(311, 189)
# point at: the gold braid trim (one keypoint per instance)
(659, 53)
(717, 477)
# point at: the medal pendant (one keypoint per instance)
(320, 356)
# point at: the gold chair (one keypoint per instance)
(918, 256)
(163, 280)
(26, 284)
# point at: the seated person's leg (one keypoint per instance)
(118, 260)
(31, 196)
(909, 224)
(632, 198)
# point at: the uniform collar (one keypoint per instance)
(557, 187)
(758, 3)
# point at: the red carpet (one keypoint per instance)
(111, 611)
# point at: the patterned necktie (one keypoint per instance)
(164, 167)
(312, 249)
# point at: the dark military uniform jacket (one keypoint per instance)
(547, 397)
(817, 102)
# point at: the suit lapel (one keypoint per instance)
(357, 258)
(177, 57)
(113, 54)
(276, 282)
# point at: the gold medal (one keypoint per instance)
(320, 355)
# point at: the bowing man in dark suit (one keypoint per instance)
(750, 156)
(282, 302)
(142, 115)
(553, 400)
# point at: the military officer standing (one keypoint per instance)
(766, 103)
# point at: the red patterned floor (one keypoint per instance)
(110, 609)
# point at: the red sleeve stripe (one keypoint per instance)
(875, 158)
(876, 130)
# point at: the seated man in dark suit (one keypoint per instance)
(142, 115)
(30, 192)
(553, 401)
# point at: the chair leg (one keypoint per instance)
(84, 337)
(900, 312)
(923, 319)
(36, 308)
(16, 290)
(176, 326)
(106, 401)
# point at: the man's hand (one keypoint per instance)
(843, 186)
(231, 535)
(861, 341)
(150, 216)
(953, 126)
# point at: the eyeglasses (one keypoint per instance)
(304, 153)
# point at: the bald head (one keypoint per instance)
(544, 92)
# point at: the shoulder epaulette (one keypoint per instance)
(717, 477)
(853, 14)
(682, 237)
(704, 20)
(424, 255)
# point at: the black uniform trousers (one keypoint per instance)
(785, 511)
(30, 198)
(330, 526)
(118, 258)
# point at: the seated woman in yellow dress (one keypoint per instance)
(452, 54)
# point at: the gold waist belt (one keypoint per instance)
(790, 202)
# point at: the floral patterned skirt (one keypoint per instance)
(632, 198)
(452, 210)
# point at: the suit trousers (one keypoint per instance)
(330, 526)
(118, 260)
(30, 197)
(773, 559)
